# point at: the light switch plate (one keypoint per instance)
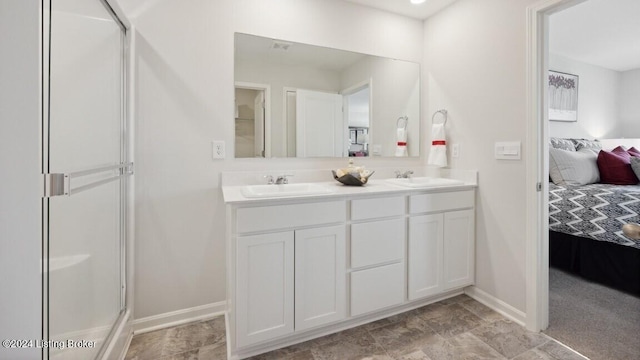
(455, 150)
(508, 150)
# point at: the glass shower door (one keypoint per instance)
(85, 155)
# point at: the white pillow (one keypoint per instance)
(573, 168)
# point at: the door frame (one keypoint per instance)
(537, 168)
(289, 132)
(345, 113)
(267, 111)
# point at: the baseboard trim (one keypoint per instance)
(497, 305)
(179, 317)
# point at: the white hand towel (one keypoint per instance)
(438, 151)
(401, 148)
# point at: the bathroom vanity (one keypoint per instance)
(304, 266)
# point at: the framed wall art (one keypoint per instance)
(563, 96)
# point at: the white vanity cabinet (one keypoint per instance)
(299, 268)
(288, 280)
(441, 250)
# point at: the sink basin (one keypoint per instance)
(425, 182)
(263, 191)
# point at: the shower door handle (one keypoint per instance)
(57, 184)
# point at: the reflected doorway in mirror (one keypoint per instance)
(252, 120)
(357, 116)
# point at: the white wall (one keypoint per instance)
(475, 67)
(185, 100)
(630, 104)
(599, 95)
(20, 234)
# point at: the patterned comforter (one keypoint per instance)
(595, 211)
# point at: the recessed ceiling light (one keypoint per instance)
(417, 1)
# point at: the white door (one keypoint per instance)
(320, 126)
(259, 134)
(264, 308)
(459, 248)
(426, 235)
(320, 271)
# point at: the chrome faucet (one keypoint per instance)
(279, 180)
(282, 179)
(403, 175)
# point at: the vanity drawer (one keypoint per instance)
(377, 208)
(377, 242)
(274, 217)
(441, 201)
(377, 288)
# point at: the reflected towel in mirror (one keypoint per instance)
(401, 135)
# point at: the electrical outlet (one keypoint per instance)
(455, 150)
(218, 150)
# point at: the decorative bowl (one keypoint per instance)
(353, 179)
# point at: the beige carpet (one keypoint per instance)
(599, 322)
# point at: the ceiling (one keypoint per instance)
(404, 7)
(604, 33)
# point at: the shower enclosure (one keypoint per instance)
(87, 166)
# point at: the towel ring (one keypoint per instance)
(444, 114)
(402, 120)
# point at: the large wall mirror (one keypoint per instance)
(299, 100)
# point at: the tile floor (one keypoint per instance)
(453, 329)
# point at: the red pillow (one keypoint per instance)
(615, 167)
(634, 152)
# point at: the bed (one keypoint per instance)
(585, 223)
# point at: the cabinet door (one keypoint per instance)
(459, 248)
(377, 288)
(426, 235)
(320, 272)
(264, 287)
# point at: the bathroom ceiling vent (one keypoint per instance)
(279, 45)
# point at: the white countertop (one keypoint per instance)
(233, 194)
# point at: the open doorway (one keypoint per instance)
(594, 332)
(357, 117)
